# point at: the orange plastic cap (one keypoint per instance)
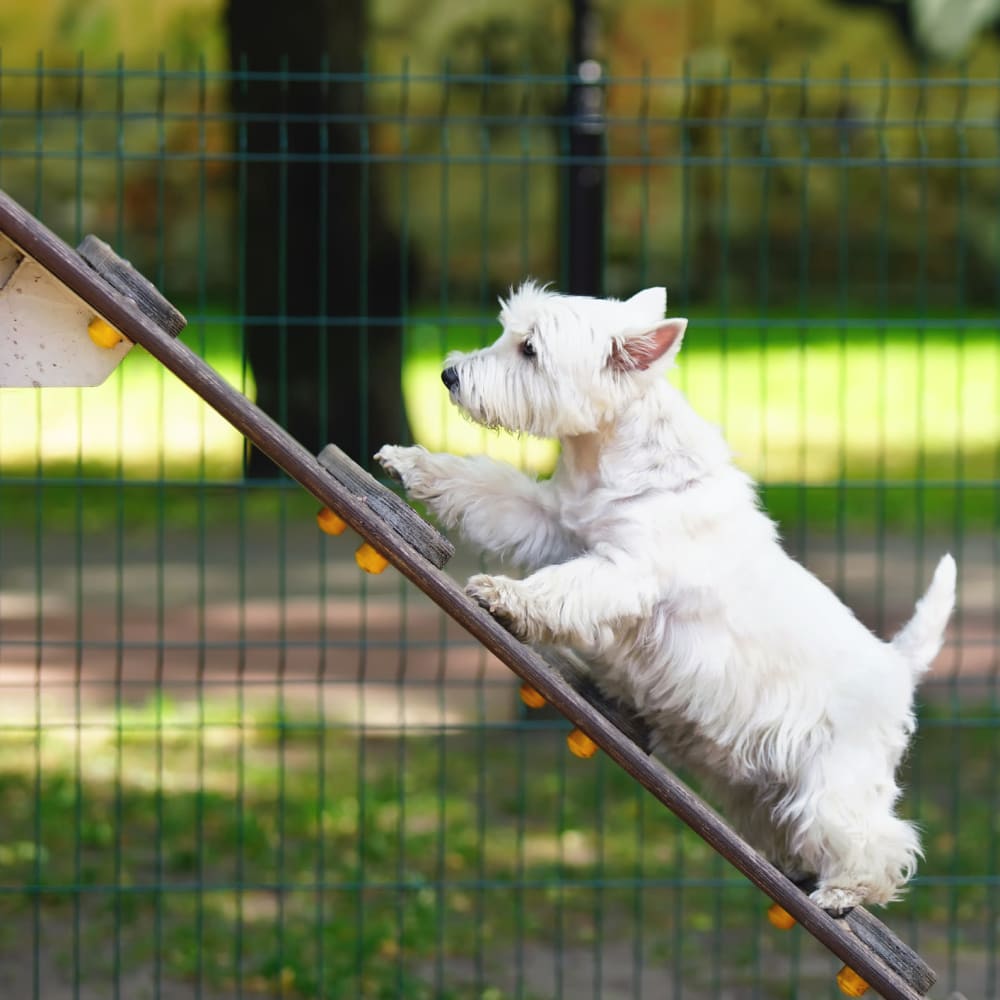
(331, 523)
(531, 697)
(370, 559)
(103, 333)
(580, 744)
(850, 983)
(780, 918)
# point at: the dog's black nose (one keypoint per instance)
(450, 378)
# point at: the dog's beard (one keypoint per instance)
(512, 415)
(481, 419)
(488, 421)
(503, 399)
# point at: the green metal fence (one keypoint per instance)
(234, 766)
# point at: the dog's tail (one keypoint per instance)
(920, 639)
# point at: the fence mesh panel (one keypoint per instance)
(233, 765)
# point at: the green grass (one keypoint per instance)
(890, 425)
(273, 852)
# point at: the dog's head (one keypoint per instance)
(564, 364)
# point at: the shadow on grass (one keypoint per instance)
(273, 854)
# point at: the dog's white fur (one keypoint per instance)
(649, 556)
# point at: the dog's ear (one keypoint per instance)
(648, 306)
(643, 350)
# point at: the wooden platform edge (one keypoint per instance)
(270, 438)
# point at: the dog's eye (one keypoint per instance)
(527, 348)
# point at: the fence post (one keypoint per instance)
(584, 176)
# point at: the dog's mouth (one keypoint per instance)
(479, 418)
(473, 411)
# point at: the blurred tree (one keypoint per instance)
(324, 274)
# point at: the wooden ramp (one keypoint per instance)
(872, 954)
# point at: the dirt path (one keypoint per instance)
(286, 612)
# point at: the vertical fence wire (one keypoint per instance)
(119, 571)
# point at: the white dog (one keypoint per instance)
(650, 557)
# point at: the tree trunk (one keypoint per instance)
(324, 276)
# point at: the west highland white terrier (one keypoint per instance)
(649, 556)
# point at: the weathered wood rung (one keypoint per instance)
(898, 955)
(393, 511)
(124, 278)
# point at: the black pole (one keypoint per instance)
(584, 201)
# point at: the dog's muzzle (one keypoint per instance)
(450, 378)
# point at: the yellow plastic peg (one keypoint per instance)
(330, 522)
(580, 744)
(531, 697)
(780, 918)
(370, 559)
(103, 333)
(850, 983)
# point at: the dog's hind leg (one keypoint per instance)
(860, 851)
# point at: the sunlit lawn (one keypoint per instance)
(823, 404)
(142, 422)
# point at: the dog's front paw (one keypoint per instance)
(405, 465)
(397, 460)
(498, 595)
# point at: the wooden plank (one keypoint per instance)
(302, 466)
(65, 264)
(123, 277)
(396, 513)
(894, 952)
